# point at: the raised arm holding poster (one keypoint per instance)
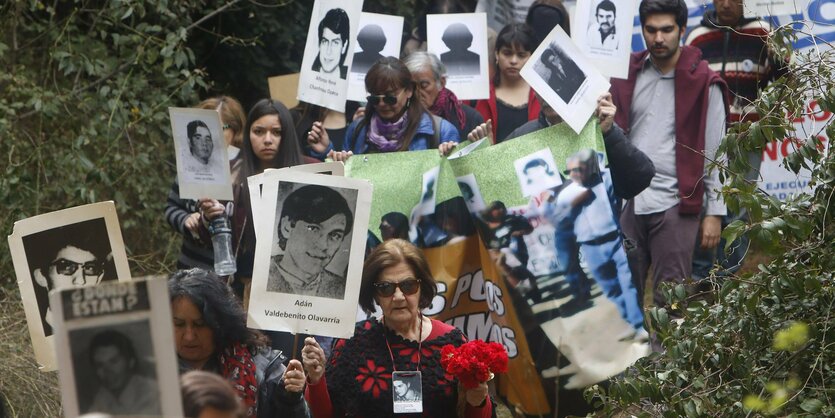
(75, 247)
(379, 36)
(328, 53)
(202, 161)
(603, 31)
(117, 353)
(562, 75)
(307, 280)
(460, 41)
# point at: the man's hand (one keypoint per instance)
(294, 379)
(313, 358)
(605, 111)
(318, 138)
(485, 130)
(711, 231)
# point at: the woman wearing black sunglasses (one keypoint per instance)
(402, 344)
(394, 120)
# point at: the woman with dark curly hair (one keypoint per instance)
(210, 334)
(403, 347)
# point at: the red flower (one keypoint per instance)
(373, 378)
(474, 361)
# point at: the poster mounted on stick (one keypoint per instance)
(603, 31)
(117, 355)
(202, 159)
(562, 75)
(308, 279)
(75, 247)
(379, 36)
(328, 53)
(460, 41)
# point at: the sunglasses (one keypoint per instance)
(408, 287)
(375, 99)
(68, 268)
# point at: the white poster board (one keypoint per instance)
(602, 29)
(308, 280)
(117, 352)
(202, 160)
(379, 36)
(761, 8)
(460, 41)
(328, 53)
(562, 75)
(75, 247)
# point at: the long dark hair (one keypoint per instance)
(220, 308)
(518, 35)
(389, 74)
(288, 153)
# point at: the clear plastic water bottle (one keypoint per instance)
(222, 245)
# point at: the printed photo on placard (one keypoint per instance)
(117, 355)
(604, 33)
(537, 172)
(328, 53)
(379, 36)
(76, 247)
(307, 278)
(460, 41)
(202, 159)
(568, 82)
(471, 193)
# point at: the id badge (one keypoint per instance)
(407, 392)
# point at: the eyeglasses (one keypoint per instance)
(68, 268)
(388, 99)
(408, 287)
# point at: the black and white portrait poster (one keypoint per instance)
(460, 41)
(202, 160)
(602, 29)
(565, 78)
(379, 36)
(307, 279)
(329, 52)
(116, 351)
(71, 248)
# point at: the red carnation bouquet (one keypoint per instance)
(474, 362)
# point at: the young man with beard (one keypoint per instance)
(672, 108)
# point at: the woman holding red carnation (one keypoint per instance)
(403, 344)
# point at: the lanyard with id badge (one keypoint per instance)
(406, 385)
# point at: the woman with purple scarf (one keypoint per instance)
(394, 120)
(429, 74)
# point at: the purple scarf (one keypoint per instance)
(446, 104)
(386, 136)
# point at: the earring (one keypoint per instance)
(408, 102)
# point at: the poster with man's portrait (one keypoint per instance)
(602, 29)
(562, 75)
(379, 36)
(460, 41)
(307, 279)
(202, 159)
(71, 248)
(329, 52)
(117, 352)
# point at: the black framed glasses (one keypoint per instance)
(375, 99)
(408, 287)
(68, 268)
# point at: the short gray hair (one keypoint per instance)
(418, 60)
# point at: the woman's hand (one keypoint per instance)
(313, 358)
(360, 113)
(485, 130)
(340, 155)
(210, 208)
(605, 111)
(476, 395)
(318, 138)
(447, 147)
(294, 379)
(192, 222)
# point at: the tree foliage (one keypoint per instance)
(764, 345)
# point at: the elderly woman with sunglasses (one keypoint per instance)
(394, 119)
(402, 346)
